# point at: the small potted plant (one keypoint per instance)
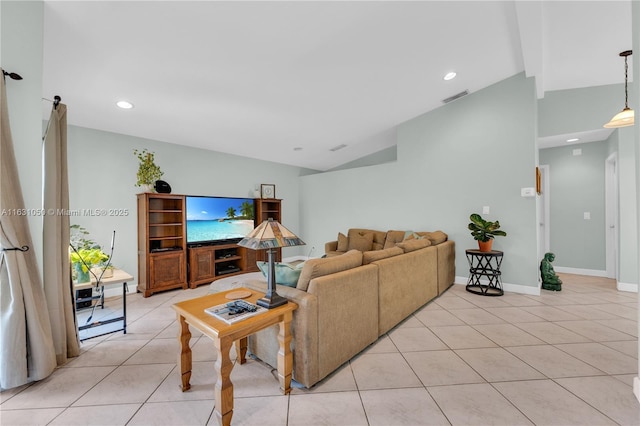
(484, 231)
(86, 256)
(84, 259)
(148, 171)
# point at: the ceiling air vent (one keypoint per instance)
(337, 148)
(456, 96)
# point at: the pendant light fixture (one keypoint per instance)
(626, 116)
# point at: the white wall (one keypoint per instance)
(477, 151)
(102, 175)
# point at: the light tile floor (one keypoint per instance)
(561, 358)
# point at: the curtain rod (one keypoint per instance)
(56, 100)
(13, 75)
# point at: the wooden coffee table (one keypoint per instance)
(191, 312)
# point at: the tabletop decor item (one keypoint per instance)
(270, 235)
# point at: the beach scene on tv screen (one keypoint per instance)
(210, 219)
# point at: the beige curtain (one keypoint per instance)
(26, 346)
(57, 281)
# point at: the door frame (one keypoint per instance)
(611, 215)
(544, 212)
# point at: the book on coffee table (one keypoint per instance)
(232, 312)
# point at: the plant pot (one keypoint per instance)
(485, 246)
(147, 188)
(81, 276)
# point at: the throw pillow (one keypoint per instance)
(414, 244)
(361, 241)
(285, 274)
(343, 242)
(392, 238)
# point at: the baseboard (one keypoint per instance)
(632, 288)
(117, 290)
(513, 288)
(636, 387)
(579, 271)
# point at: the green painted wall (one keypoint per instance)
(577, 185)
(477, 151)
(102, 175)
(21, 52)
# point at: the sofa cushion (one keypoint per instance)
(414, 244)
(392, 238)
(286, 274)
(343, 242)
(362, 241)
(314, 268)
(372, 256)
(436, 237)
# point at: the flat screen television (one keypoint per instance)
(219, 220)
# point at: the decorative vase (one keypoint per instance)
(485, 246)
(81, 276)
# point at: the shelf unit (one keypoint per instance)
(162, 243)
(268, 208)
(209, 263)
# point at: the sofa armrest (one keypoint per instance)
(330, 246)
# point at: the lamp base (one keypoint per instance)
(271, 301)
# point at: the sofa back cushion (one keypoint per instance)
(413, 244)
(372, 256)
(314, 268)
(436, 237)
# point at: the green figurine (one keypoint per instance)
(550, 281)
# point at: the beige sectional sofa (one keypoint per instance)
(347, 300)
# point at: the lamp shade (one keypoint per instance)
(270, 234)
(622, 119)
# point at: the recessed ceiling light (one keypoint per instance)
(573, 140)
(450, 76)
(124, 104)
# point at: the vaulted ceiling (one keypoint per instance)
(289, 81)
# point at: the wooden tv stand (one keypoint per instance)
(212, 262)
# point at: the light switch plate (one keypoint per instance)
(485, 209)
(527, 192)
(587, 215)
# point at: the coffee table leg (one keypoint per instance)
(224, 388)
(285, 357)
(241, 350)
(184, 359)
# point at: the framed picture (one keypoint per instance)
(267, 190)
(538, 181)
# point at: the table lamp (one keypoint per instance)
(270, 235)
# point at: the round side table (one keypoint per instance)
(484, 265)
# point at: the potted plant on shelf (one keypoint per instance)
(148, 171)
(484, 231)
